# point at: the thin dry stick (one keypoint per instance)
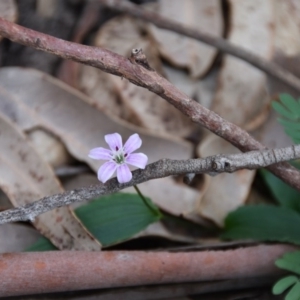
(136, 73)
(212, 165)
(270, 68)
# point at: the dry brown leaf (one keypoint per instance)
(49, 147)
(287, 55)
(287, 27)
(287, 43)
(34, 99)
(241, 92)
(181, 80)
(25, 177)
(139, 106)
(17, 237)
(224, 192)
(8, 11)
(102, 95)
(181, 51)
(159, 230)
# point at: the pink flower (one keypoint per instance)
(118, 157)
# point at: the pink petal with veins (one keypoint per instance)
(100, 153)
(114, 141)
(137, 159)
(134, 142)
(106, 171)
(123, 173)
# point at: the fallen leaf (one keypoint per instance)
(206, 16)
(286, 55)
(25, 177)
(17, 237)
(8, 11)
(49, 147)
(176, 199)
(241, 92)
(224, 192)
(33, 99)
(287, 27)
(139, 106)
(159, 230)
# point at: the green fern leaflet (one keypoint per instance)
(289, 110)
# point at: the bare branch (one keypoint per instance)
(223, 45)
(57, 271)
(212, 165)
(136, 73)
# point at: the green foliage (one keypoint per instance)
(291, 262)
(284, 194)
(112, 219)
(115, 218)
(275, 223)
(289, 109)
(43, 244)
(263, 223)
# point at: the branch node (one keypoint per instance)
(138, 57)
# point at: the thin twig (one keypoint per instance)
(136, 73)
(221, 44)
(166, 167)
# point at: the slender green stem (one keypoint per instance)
(145, 201)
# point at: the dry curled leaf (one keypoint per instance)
(25, 178)
(287, 55)
(34, 99)
(136, 104)
(241, 92)
(224, 192)
(181, 51)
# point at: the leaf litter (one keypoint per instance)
(113, 99)
(25, 178)
(80, 127)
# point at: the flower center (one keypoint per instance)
(119, 158)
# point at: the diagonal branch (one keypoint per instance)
(221, 44)
(136, 73)
(212, 165)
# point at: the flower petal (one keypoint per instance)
(106, 171)
(114, 141)
(137, 159)
(100, 153)
(134, 142)
(123, 173)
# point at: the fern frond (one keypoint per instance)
(289, 109)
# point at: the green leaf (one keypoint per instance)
(112, 219)
(281, 109)
(289, 261)
(282, 192)
(289, 109)
(43, 244)
(283, 284)
(294, 293)
(291, 104)
(289, 124)
(116, 218)
(263, 223)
